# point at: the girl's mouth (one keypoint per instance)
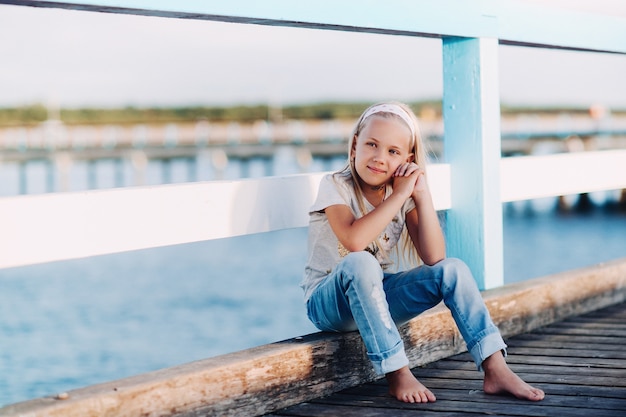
(376, 170)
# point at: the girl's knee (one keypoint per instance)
(361, 261)
(454, 266)
(362, 267)
(454, 272)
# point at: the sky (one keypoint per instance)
(85, 59)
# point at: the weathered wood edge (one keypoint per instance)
(266, 378)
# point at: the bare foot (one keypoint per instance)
(405, 387)
(499, 379)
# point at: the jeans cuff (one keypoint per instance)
(391, 363)
(486, 347)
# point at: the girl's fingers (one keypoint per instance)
(414, 167)
(406, 169)
(401, 171)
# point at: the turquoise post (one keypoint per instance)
(471, 111)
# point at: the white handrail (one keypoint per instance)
(60, 226)
(513, 22)
(530, 177)
(52, 227)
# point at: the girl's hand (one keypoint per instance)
(421, 185)
(405, 178)
(406, 169)
(412, 169)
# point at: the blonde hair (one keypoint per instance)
(409, 253)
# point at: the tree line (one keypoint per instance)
(34, 114)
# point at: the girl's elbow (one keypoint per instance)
(353, 246)
(433, 261)
(434, 258)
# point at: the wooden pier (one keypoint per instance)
(580, 363)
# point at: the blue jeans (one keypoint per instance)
(357, 295)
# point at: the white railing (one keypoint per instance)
(52, 227)
(472, 184)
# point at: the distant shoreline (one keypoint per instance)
(31, 115)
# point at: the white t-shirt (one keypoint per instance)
(324, 249)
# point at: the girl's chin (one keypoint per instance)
(376, 185)
(374, 179)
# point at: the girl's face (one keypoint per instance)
(381, 147)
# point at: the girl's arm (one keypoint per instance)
(356, 234)
(423, 224)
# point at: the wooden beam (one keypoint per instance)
(60, 226)
(270, 377)
(506, 20)
(528, 177)
(93, 222)
(471, 113)
(396, 17)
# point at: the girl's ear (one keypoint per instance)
(353, 149)
(410, 158)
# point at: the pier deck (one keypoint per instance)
(580, 363)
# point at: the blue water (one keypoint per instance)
(69, 324)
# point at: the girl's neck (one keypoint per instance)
(375, 195)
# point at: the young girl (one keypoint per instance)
(378, 203)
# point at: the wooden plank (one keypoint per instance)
(573, 27)
(599, 341)
(475, 402)
(562, 174)
(588, 351)
(608, 332)
(395, 17)
(565, 344)
(592, 322)
(101, 222)
(325, 410)
(93, 222)
(522, 362)
(507, 20)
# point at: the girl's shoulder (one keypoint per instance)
(334, 188)
(341, 181)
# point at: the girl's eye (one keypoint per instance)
(371, 144)
(394, 151)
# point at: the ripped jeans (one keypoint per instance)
(358, 295)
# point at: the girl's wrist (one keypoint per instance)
(421, 197)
